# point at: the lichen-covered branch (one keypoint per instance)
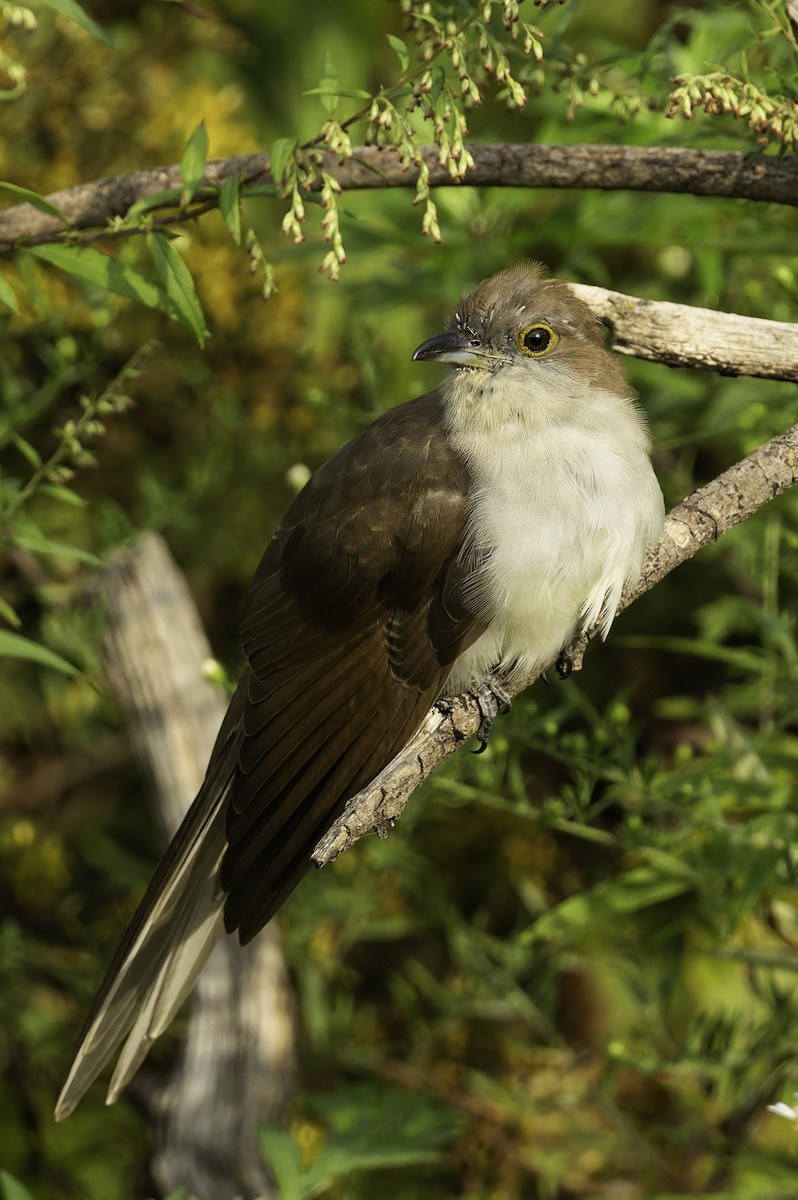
(700, 519)
(94, 206)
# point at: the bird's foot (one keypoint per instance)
(493, 699)
(565, 663)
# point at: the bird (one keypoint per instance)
(461, 540)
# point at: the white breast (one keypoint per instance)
(564, 503)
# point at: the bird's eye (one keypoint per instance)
(537, 340)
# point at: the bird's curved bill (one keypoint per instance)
(456, 347)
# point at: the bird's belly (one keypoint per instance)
(559, 556)
(537, 599)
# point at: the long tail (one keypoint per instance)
(173, 931)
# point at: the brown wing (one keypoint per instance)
(352, 624)
(351, 628)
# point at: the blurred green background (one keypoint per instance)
(574, 961)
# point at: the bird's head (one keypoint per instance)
(518, 322)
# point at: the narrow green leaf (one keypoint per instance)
(8, 614)
(192, 164)
(334, 90)
(90, 266)
(745, 660)
(260, 189)
(400, 50)
(34, 199)
(230, 208)
(73, 12)
(781, 960)
(156, 200)
(13, 645)
(638, 888)
(178, 284)
(341, 1160)
(284, 1158)
(327, 86)
(438, 81)
(63, 495)
(32, 539)
(280, 155)
(26, 450)
(7, 297)
(9, 486)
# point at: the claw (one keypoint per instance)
(493, 699)
(565, 663)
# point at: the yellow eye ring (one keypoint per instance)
(537, 340)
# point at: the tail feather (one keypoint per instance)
(137, 1045)
(174, 930)
(185, 965)
(171, 989)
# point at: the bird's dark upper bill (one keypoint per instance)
(456, 346)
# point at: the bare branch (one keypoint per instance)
(700, 519)
(679, 335)
(91, 206)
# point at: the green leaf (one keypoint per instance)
(280, 156)
(178, 284)
(327, 85)
(284, 1158)
(334, 90)
(639, 888)
(230, 208)
(63, 495)
(26, 450)
(8, 614)
(156, 200)
(437, 83)
(13, 645)
(9, 486)
(400, 50)
(385, 1132)
(260, 189)
(34, 199)
(73, 12)
(745, 660)
(370, 1128)
(90, 266)
(7, 297)
(192, 164)
(780, 960)
(30, 537)
(338, 1159)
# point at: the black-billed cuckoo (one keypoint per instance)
(464, 536)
